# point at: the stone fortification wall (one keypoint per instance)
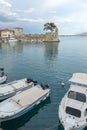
(47, 37)
(51, 37)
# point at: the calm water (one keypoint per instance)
(50, 63)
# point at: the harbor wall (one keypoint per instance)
(47, 37)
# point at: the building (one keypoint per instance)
(18, 31)
(6, 33)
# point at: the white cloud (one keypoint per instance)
(55, 3)
(63, 19)
(52, 4)
(52, 12)
(4, 3)
(30, 10)
(6, 10)
(37, 20)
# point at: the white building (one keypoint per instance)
(6, 33)
(18, 31)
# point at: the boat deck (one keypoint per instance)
(29, 96)
(7, 107)
(21, 101)
(13, 86)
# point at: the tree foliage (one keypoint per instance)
(50, 26)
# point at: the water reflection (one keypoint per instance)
(16, 47)
(51, 50)
(21, 121)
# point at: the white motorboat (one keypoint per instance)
(73, 107)
(10, 89)
(21, 103)
(12, 40)
(3, 77)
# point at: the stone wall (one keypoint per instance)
(51, 37)
(47, 37)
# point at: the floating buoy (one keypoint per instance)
(62, 84)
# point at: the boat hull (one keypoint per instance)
(12, 40)
(22, 112)
(3, 79)
(79, 128)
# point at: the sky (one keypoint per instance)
(70, 16)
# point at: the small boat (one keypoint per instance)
(12, 40)
(73, 107)
(21, 103)
(3, 77)
(10, 89)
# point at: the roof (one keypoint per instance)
(7, 30)
(81, 89)
(79, 78)
(18, 28)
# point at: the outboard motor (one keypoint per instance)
(43, 86)
(1, 72)
(47, 86)
(35, 82)
(29, 80)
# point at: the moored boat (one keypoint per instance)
(3, 79)
(73, 106)
(21, 103)
(3, 76)
(12, 40)
(10, 89)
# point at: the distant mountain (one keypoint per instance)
(82, 34)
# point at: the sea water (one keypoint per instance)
(50, 63)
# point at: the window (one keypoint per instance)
(73, 111)
(77, 96)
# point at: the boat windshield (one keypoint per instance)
(77, 96)
(73, 111)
